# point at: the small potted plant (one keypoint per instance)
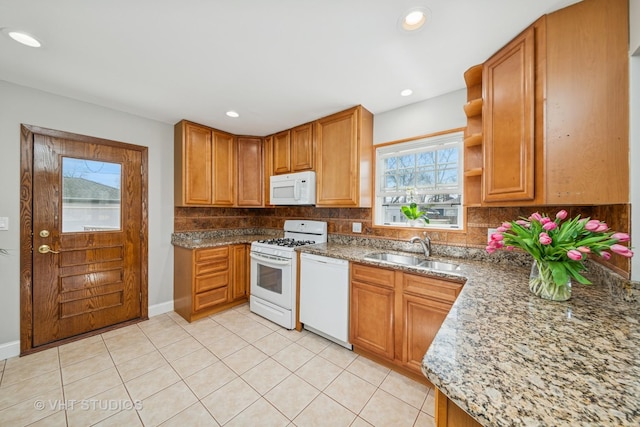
(416, 217)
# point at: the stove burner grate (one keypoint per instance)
(287, 242)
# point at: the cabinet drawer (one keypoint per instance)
(430, 287)
(211, 281)
(373, 275)
(210, 298)
(207, 268)
(203, 255)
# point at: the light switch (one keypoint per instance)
(4, 222)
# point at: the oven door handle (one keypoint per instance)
(269, 260)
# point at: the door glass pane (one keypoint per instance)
(270, 278)
(90, 195)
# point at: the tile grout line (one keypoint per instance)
(122, 381)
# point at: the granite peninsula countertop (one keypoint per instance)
(509, 358)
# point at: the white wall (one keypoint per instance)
(432, 115)
(18, 105)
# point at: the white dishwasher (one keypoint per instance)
(324, 297)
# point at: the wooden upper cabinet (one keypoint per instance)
(587, 104)
(293, 150)
(250, 171)
(556, 111)
(509, 121)
(268, 168)
(281, 152)
(344, 154)
(204, 169)
(224, 172)
(193, 145)
(302, 148)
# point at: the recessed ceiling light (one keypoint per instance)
(24, 38)
(406, 92)
(414, 18)
(233, 114)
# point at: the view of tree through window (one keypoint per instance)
(90, 195)
(425, 171)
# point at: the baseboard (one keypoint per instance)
(12, 348)
(9, 349)
(157, 309)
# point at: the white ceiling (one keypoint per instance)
(279, 63)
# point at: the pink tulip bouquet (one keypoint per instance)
(559, 246)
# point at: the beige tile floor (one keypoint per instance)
(233, 369)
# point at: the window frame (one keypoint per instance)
(378, 212)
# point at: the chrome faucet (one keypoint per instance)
(424, 242)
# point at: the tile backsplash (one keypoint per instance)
(339, 221)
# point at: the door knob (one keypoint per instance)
(43, 249)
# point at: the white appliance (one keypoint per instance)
(293, 189)
(324, 297)
(273, 270)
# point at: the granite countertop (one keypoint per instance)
(509, 358)
(207, 239)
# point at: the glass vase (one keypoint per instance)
(541, 283)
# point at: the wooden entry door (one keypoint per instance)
(88, 233)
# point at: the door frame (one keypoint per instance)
(27, 133)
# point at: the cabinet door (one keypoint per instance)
(302, 148)
(508, 121)
(250, 183)
(224, 173)
(195, 171)
(371, 320)
(268, 168)
(281, 153)
(338, 162)
(240, 272)
(422, 319)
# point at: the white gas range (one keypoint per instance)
(274, 265)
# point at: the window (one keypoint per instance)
(90, 195)
(426, 171)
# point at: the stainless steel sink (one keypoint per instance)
(395, 259)
(412, 261)
(438, 265)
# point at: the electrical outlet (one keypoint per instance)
(356, 227)
(4, 223)
(490, 231)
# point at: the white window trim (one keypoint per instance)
(413, 145)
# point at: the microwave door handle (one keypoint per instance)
(296, 189)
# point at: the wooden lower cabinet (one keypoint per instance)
(372, 317)
(208, 280)
(448, 414)
(422, 318)
(239, 264)
(394, 316)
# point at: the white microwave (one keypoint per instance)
(293, 188)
